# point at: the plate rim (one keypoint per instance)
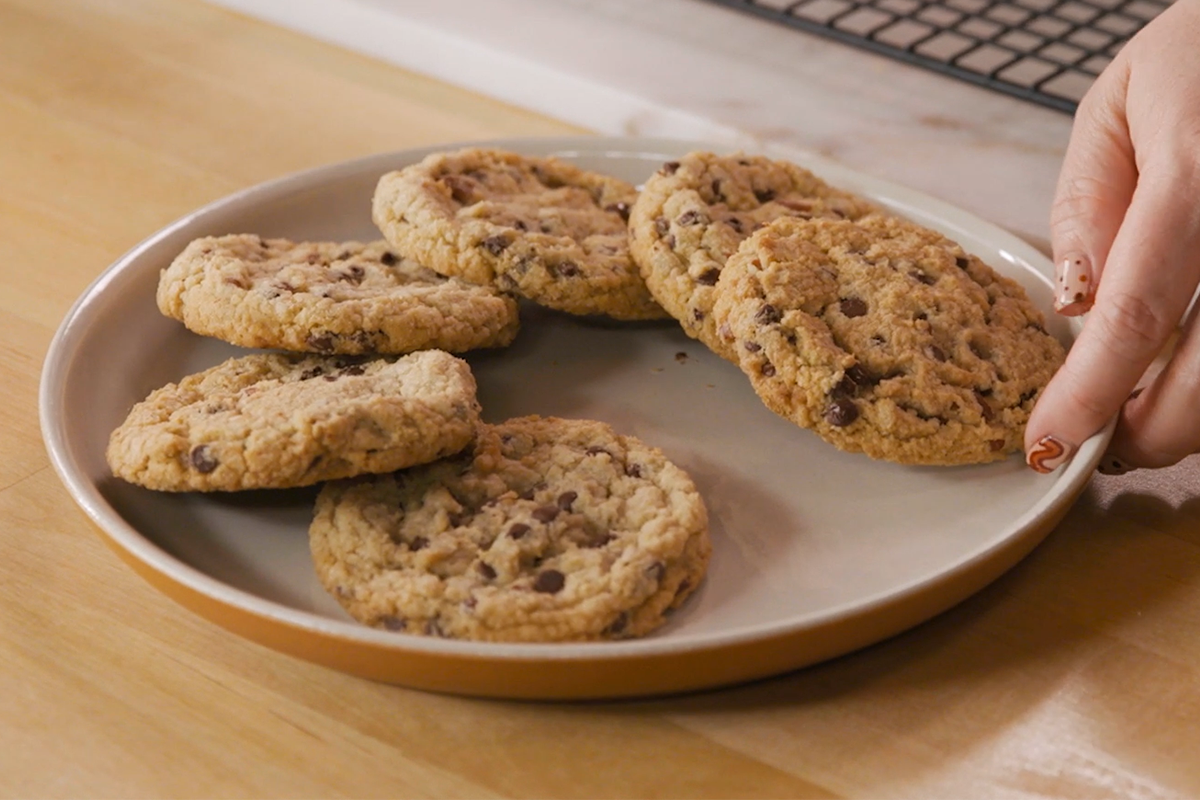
(1022, 534)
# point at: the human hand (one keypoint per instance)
(1125, 231)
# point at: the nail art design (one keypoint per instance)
(1111, 465)
(1075, 289)
(1049, 454)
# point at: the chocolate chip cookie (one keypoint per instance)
(886, 338)
(544, 530)
(693, 213)
(281, 420)
(328, 297)
(540, 227)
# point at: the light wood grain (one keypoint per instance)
(1075, 675)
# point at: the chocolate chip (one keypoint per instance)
(1032, 393)
(920, 316)
(985, 410)
(854, 380)
(768, 314)
(753, 347)
(691, 217)
(661, 226)
(527, 494)
(203, 461)
(709, 277)
(312, 372)
(767, 369)
(354, 274)
(716, 190)
(566, 269)
(321, 342)
(997, 445)
(418, 543)
(853, 306)
(388, 259)
(354, 369)
(735, 223)
(878, 340)
(520, 225)
(928, 280)
(961, 262)
(669, 168)
(765, 195)
(495, 244)
(619, 208)
(461, 189)
(633, 470)
(545, 513)
(486, 570)
(697, 314)
(566, 499)
(549, 581)
(518, 530)
(600, 539)
(393, 623)
(619, 624)
(841, 412)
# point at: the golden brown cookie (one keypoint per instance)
(277, 420)
(886, 338)
(692, 214)
(540, 227)
(328, 297)
(545, 530)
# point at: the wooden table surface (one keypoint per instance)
(1077, 674)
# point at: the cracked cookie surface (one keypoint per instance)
(283, 420)
(544, 530)
(540, 227)
(328, 297)
(692, 214)
(886, 338)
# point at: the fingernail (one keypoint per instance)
(1075, 287)
(1049, 454)
(1111, 465)
(1134, 394)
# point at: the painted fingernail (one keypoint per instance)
(1049, 454)
(1075, 288)
(1111, 465)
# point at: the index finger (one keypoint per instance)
(1149, 278)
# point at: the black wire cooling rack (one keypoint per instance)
(1045, 51)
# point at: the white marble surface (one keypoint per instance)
(690, 69)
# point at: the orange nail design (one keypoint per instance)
(1074, 291)
(1049, 454)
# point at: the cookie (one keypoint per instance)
(281, 420)
(545, 530)
(693, 213)
(886, 338)
(540, 227)
(328, 297)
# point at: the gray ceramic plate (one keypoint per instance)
(817, 552)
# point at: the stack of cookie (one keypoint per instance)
(882, 336)
(431, 521)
